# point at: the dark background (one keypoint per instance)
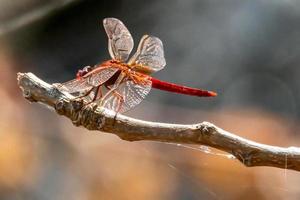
(247, 51)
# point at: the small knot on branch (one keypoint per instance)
(90, 118)
(77, 105)
(206, 129)
(81, 114)
(27, 95)
(59, 107)
(248, 158)
(70, 108)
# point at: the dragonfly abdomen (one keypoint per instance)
(171, 87)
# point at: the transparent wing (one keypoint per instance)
(75, 86)
(131, 93)
(150, 53)
(100, 75)
(93, 79)
(120, 42)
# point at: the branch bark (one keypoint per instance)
(250, 153)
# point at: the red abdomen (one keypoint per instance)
(171, 87)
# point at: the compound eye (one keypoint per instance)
(87, 68)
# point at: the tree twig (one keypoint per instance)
(248, 152)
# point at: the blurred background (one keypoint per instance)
(247, 51)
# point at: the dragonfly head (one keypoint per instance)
(83, 72)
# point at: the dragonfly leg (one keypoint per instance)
(119, 97)
(121, 101)
(113, 88)
(98, 93)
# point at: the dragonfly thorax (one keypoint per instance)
(128, 66)
(133, 71)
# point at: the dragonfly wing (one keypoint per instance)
(132, 94)
(150, 53)
(93, 79)
(120, 42)
(76, 86)
(101, 75)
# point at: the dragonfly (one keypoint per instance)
(120, 83)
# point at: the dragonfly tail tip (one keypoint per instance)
(212, 94)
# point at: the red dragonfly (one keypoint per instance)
(119, 85)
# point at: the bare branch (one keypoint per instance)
(248, 152)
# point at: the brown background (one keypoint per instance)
(247, 51)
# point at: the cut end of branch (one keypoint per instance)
(25, 83)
